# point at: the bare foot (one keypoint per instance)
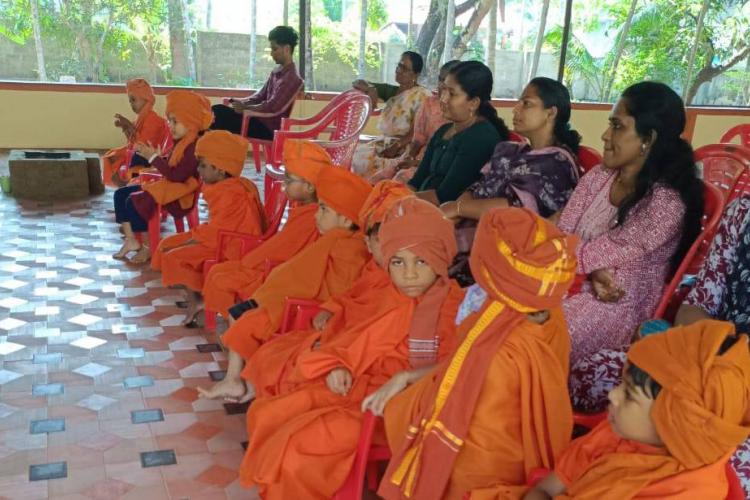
(127, 247)
(230, 389)
(143, 256)
(195, 306)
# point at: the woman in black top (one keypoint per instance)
(458, 150)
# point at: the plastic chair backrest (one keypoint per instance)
(287, 123)
(742, 131)
(588, 158)
(298, 314)
(723, 165)
(691, 263)
(274, 200)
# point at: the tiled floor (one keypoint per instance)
(98, 392)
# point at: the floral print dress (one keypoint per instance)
(396, 121)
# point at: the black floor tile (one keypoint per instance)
(146, 416)
(208, 347)
(236, 408)
(47, 425)
(47, 389)
(217, 375)
(157, 458)
(55, 470)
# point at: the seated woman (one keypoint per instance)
(397, 119)
(302, 443)
(497, 408)
(540, 175)
(458, 150)
(637, 214)
(149, 128)
(428, 120)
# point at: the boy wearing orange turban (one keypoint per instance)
(233, 205)
(499, 406)
(678, 415)
(188, 114)
(269, 369)
(303, 161)
(302, 443)
(324, 269)
(149, 127)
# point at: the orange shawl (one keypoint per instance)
(525, 264)
(700, 415)
(194, 112)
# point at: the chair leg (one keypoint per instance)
(154, 232)
(256, 157)
(372, 476)
(210, 320)
(179, 225)
(267, 149)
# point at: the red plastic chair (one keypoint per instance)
(288, 123)
(723, 165)
(298, 314)
(741, 131)
(588, 158)
(696, 254)
(516, 137)
(274, 214)
(154, 223)
(366, 461)
(258, 144)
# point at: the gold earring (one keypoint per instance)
(643, 149)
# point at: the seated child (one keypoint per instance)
(269, 369)
(188, 115)
(233, 205)
(498, 407)
(149, 128)
(324, 269)
(241, 277)
(678, 415)
(302, 443)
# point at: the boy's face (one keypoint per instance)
(373, 245)
(297, 188)
(280, 53)
(410, 273)
(326, 219)
(209, 174)
(176, 128)
(136, 103)
(630, 412)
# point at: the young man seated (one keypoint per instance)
(498, 407)
(302, 443)
(271, 103)
(677, 416)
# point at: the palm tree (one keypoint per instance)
(621, 38)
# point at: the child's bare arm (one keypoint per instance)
(546, 489)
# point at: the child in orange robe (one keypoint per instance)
(233, 205)
(269, 369)
(302, 443)
(675, 420)
(149, 128)
(303, 161)
(499, 407)
(188, 114)
(324, 269)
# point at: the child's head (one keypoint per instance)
(686, 389)
(382, 197)
(522, 260)
(188, 114)
(303, 161)
(341, 195)
(176, 128)
(418, 245)
(140, 95)
(221, 154)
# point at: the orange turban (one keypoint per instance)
(223, 150)
(343, 191)
(419, 226)
(194, 112)
(700, 411)
(142, 90)
(522, 260)
(305, 159)
(381, 199)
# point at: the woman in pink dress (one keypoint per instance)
(428, 119)
(636, 214)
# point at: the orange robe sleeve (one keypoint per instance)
(153, 130)
(603, 446)
(522, 419)
(325, 268)
(241, 278)
(233, 205)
